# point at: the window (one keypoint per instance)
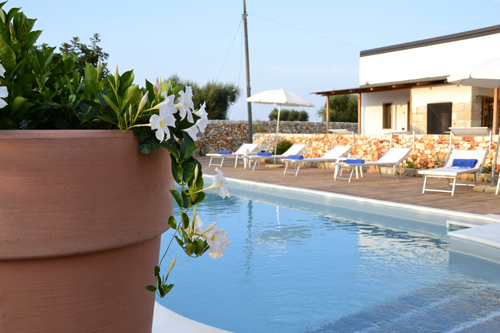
(438, 118)
(387, 116)
(486, 111)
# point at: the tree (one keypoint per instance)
(86, 53)
(218, 96)
(343, 108)
(289, 115)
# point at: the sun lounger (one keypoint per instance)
(295, 149)
(459, 162)
(451, 172)
(331, 156)
(391, 159)
(245, 149)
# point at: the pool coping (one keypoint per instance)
(472, 242)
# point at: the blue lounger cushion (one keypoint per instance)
(224, 152)
(296, 157)
(354, 161)
(263, 154)
(464, 163)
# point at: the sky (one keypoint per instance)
(302, 46)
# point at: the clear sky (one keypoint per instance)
(301, 46)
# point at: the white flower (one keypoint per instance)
(3, 93)
(194, 228)
(167, 105)
(161, 122)
(2, 70)
(185, 105)
(218, 241)
(203, 121)
(193, 132)
(221, 182)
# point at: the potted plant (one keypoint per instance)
(85, 196)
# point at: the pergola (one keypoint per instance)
(394, 86)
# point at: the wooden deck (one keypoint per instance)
(406, 190)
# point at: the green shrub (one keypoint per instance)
(282, 147)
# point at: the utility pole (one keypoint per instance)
(249, 104)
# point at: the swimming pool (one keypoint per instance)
(296, 266)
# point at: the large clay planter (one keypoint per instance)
(81, 214)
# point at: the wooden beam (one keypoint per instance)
(410, 115)
(495, 112)
(327, 118)
(359, 113)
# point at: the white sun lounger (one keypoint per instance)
(449, 172)
(295, 149)
(331, 156)
(391, 159)
(245, 149)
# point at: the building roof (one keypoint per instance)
(432, 41)
(385, 86)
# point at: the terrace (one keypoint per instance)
(405, 190)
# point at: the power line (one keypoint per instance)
(308, 32)
(230, 47)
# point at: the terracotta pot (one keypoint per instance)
(81, 215)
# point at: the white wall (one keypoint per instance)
(441, 94)
(371, 110)
(428, 61)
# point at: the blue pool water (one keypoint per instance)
(307, 269)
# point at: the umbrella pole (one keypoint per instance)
(277, 130)
(494, 164)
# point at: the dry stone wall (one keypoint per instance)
(230, 134)
(430, 151)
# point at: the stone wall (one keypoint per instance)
(430, 150)
(230, 134)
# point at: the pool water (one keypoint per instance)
(296, 270)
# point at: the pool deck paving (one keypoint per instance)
(406, 190)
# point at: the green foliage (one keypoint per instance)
(86, 54)
(258, 127)
(282, 147)
(218, 96)
(411, 164)
(487, 169)
(343, 108)
(47, 90)
(289, 115)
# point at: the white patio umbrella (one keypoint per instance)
(483, 75)
(279, 97)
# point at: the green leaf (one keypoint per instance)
(189, 172)
(17, 103)
(187, 200)
(179, 241)
(174, 152)
(7, 55)
(190, 249)
(187, 147)
(185, 220)
(151, 288)
(131, 96)
(148, 146)
(178, 198)
(172, 223)
(177, 172)
(199, 198)
(157, 271)
(143, 132)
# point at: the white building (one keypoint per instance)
(405, 87)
